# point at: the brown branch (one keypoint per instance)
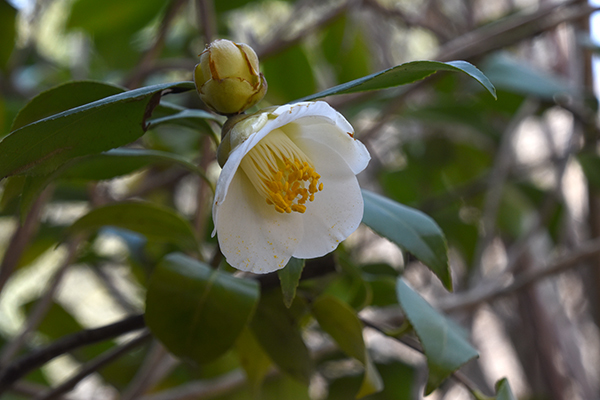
(94, 366)
(486, 293)
(41, 308)
(151, 54)
(207, 19)
(39, 357)
(281, 43)
(21, 238)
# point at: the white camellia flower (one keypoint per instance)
(288, 186)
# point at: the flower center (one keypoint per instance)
(282, 173)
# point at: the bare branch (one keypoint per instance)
(487, 292)
(39, 357)
(41, 307)
(95, 365)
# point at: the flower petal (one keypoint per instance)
(334, 132)
(252, 235)
(337, 210)
(349, 148)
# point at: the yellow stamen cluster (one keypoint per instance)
(282, 173)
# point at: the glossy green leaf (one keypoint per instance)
(444, 343)
(403, 74)
(8, 17)
(255, 362)
(108, 165)
(157, 223)
(341, 322)
(503, 391)
(198, 312)
(42, 146)
(289, 277)
(277, 330)
(510, 74)
(191, 118)
(62, 98)
(411, 230)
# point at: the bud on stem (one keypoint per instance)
(228, 79)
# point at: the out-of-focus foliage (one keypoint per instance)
(480, 118)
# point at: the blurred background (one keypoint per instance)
(514, 183)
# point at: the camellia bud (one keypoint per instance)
(227, 77)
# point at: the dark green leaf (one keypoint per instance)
(254, 360)
(503, 391)
(8, 16)
(42, 146)
(62, 98)
(195, 311)
(444, 343)
(108, 165)
(289, 278)
(277, 330)
(155, 222)
(410, 229)
(403, 74)
(342, 324)
(195, 119)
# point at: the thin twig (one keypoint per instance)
(207, 19)
(94, 366)
(37, 358)
(196, 390)
(496, 181)
(486, 293)
(281, 42)
(42, 306)
(158, 362)
(151, 54)
(416, 346)
(22, 237)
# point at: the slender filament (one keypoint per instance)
(282, 173)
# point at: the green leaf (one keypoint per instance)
(411, 230)
(341, 322)
(510, 74)
(289, 277)
(444, 343)
(403, 74)
(194, 119)
(277, 330)
(8, 16)
(108, 165)
(155, 222)
(503, 391)
(255, 362)
(62, 98)
(195, 311)
(42, 146)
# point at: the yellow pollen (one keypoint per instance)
(282, 173)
